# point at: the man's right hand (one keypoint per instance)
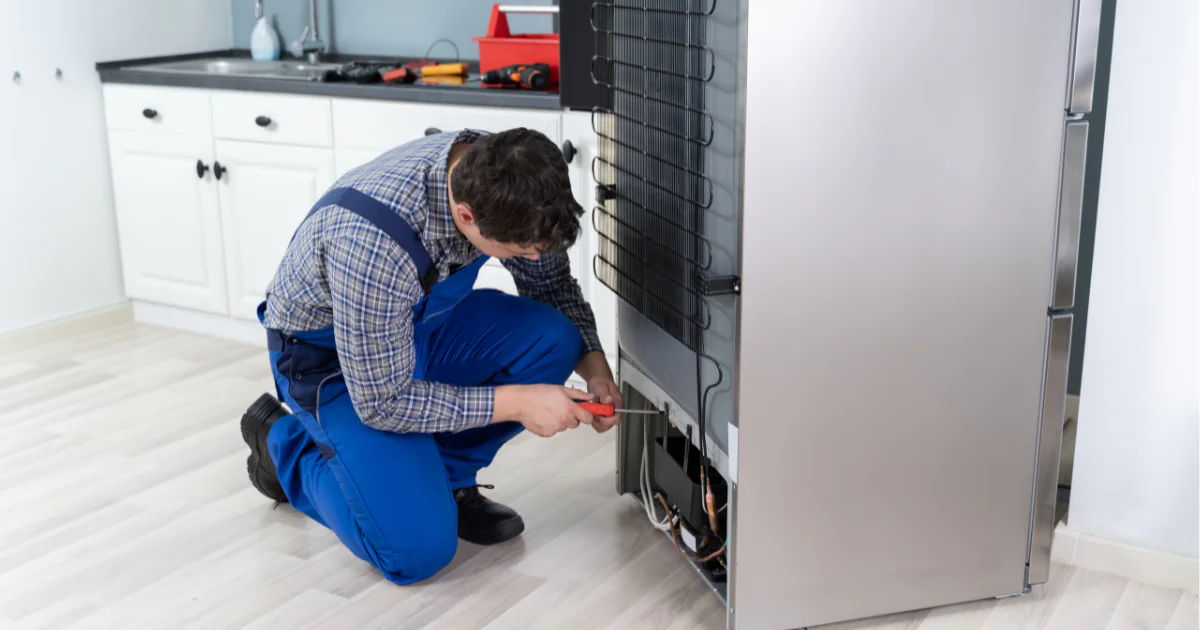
(542, 409)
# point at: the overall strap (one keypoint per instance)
(383, 217)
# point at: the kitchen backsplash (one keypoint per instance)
(404, 28)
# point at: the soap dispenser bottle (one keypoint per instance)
(264, 41)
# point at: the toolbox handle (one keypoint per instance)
(498, 24)
(527, 8)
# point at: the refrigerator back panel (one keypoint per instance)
(668, 155)
(901, 185)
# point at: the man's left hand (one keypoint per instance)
(607, 393)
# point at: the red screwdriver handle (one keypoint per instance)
(597, 409)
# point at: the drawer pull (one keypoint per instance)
(432, 131)
(219, 170)
(569, 151)
(262, 121)
(149, 113)
(201, 169)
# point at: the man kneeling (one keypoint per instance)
(402, 381)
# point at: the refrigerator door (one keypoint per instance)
(1054, 408)
(898, 230)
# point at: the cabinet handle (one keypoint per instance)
(432, 131)
(569, 151)
(201, 169)
(263, 121)
(150, 113)
(219, 170)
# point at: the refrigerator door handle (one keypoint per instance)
(1082, 83)
(1070, 212)
(1049, 446)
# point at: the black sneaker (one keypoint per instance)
(483, 521)
(256, 423)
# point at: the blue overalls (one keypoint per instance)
(388, 496)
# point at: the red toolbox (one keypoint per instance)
(501, 48)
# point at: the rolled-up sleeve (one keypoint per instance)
(374, 286)
(549, 281)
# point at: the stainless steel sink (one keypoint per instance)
(287, 70)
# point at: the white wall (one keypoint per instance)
(1136, 459)
(58, 240)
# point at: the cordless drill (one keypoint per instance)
(533, 76)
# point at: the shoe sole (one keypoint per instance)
(264, 412)
(504, 532)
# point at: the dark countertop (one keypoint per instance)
(471, 93)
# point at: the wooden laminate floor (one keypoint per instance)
(124, 504)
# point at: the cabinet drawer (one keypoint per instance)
(272, 118)
(156, 110)
(362, 124)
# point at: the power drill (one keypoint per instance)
(533, 76)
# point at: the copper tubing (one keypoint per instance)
(710, 502)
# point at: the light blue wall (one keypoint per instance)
(403, 28)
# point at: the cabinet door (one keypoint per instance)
(168, 219)
(266, 190)
(577, 129)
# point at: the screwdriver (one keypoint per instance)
(598, 409)
(443, 69)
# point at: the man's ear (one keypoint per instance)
(464, 214)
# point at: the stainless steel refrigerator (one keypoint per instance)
(884, 212)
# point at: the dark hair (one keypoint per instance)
(517, 186)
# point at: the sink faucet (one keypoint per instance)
(310, 43)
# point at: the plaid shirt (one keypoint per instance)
(341, 270)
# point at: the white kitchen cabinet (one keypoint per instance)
(577, 129)
(265, 191)
(364, 124)
(168, 219)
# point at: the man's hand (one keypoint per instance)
(543, 409)
(593, 367)
(606, 392)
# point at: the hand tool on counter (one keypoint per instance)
(399, 75)
(431, 73)
(599, 409)
(444, 69)
(360, 72)
(532, 76)
(436, 80)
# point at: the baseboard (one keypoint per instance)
(1149, 566)
(81, 323)
(222, 326)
